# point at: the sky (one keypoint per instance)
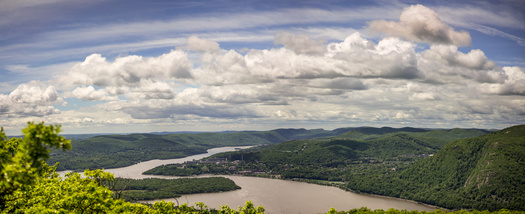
(115, 66)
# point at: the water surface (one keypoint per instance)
(277, 196)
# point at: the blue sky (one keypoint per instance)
(140, 66)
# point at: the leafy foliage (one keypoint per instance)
(22, 160)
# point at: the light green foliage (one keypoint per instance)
(22, 161)
(248, 208)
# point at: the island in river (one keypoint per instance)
(276, 195)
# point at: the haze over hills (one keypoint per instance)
(109, 151)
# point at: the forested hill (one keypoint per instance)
(358, 151)
(485, 172)
(110, 151)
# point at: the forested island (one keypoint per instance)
(456, 169)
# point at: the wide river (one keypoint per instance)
(277, 196)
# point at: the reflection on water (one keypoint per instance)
(277, 196)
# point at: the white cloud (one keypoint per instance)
(353, 81)
(514, 83)
(34, 93)
(390, 58)
(31, 99)
(300, 44)
(152, 90)
(424, 96)
(90, 94)
(444, 63)
(128, 70)
(421, 24)
(197, 44)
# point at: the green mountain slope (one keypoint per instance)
(337, 158)
(485, 172)
(110, 151)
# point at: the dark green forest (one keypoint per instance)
(155, 188)
(333, 159)
(112, 151)
(485, 172)
(454, 169)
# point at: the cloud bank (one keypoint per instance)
(302, 82)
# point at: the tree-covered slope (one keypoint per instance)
(110, 151)
(335, 159)
(485, 172)
(438, 137)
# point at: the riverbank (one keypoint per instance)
(276, 195)
(340, 185)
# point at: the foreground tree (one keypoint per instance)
(22, 160)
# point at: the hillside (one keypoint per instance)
(438, 167)
(110, 151)
(485, 172)
(337, 158)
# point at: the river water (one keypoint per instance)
(277, 196)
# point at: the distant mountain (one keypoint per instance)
(346, 155)
(113, 150)
(485, 172)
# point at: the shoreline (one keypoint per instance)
(320, 184)
(351, 190)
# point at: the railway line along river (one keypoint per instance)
(277, 196)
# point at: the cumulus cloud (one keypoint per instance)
(390, 58)
(31, 99)
(389, 80)
(424, 96)
(446, 63)
(152, 90)
(300, 44)
(421, 24)
(202, 45)
(129, 70)
(90, 94)
(33, 94)
(514, 84)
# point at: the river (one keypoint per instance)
(277, 196)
